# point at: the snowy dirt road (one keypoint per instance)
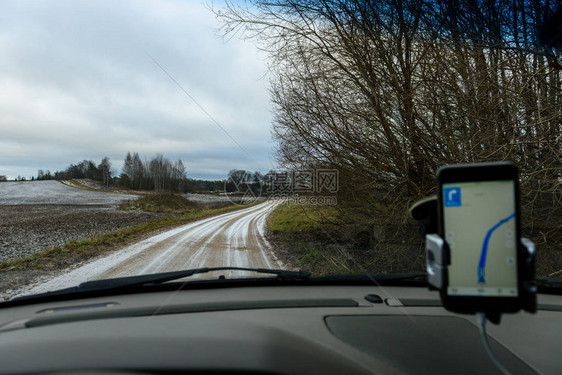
(233, 239)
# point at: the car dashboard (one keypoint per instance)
(316, 329)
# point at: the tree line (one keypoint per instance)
(387, 91)
(157, 173)
(85, 169)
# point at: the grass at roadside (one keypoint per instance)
(295, 218)
(92, 185)
(60, 257)
(167, 203)
(315, 238)
(77, 184)
(303, 238)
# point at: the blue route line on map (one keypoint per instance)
(482, 264)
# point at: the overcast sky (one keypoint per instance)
(77, 82)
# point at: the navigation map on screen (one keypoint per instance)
(480, 228)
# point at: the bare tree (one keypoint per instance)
(138, 171)
(105, 170)
(129, 170)
(160, 168)
(388, 91)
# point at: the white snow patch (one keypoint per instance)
(53, 192)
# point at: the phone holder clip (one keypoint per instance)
(438, 259)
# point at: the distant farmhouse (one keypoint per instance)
(3, 178)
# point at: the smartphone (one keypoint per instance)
(479, 219)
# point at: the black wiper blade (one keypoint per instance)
(549, 285)
(383, 278)
(131, 282)
(159, 278)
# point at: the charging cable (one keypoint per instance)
(481, 317)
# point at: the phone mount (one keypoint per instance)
(437, 261)
(437, 256)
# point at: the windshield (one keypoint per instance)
(140, 137)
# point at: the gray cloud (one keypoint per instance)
(77, 82)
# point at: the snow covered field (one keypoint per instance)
(54, 193)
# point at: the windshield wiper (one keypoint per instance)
(392, 279)
(140, 281)
(547, 285)
(159, 278)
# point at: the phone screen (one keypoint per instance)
(480, 229)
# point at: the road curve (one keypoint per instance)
(233, 239)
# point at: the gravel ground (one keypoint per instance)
(36, 215)
(27, 229)
(210, 198)
(206, 198)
